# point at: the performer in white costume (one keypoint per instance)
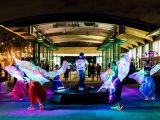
(81, 64)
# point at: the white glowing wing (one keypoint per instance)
(14, 72)
(34, 75)
(123, 66)
(138, 76)
(155, 69)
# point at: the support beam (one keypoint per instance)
(78, 40)
(154, 33)
(76, 33)
(124, 46)
(133, 43)
(131, 38)
(29, 37)
(128, 45)
(21, 33)
(137, 33)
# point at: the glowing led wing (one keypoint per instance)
(24, 64)
(64, 67)
(103, 76)
(60, 71)
(30, 66)
(52, 74)
(42, 71)
(34, 75)
(138, 76)
(123, 66)
(106, 77)
(27, 79)
(155, 69)
(14, 72)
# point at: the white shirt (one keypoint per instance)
(81, 64)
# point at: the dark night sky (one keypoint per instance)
(145, 10)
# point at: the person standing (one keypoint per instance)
(66, 75)
(89, 70)
(93, 69)
(98, 70)
(81, 63)
(47, 67)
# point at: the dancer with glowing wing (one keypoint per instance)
(121, 69)
(106, 77)
(56, 81)
(118, 72)
(19, 91)
(36, 91)
(144, 78)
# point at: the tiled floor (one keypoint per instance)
(135, 108)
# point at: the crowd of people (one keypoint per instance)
(94, 71)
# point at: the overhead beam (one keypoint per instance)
(133, 42)
(153, 33)
(78, 40)
(131, 37)
(21, 33)
(12, 28)
(138, 33)
(72, 29)
(124, 46)
(77, 33)
(11, 31)
(29, 37)
(79, 37)
(128, 45)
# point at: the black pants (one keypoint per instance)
(115, 93)
(98, 76)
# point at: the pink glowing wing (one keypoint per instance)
(123, 66)
(14, 72)
(138, 76)
(155, 69)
